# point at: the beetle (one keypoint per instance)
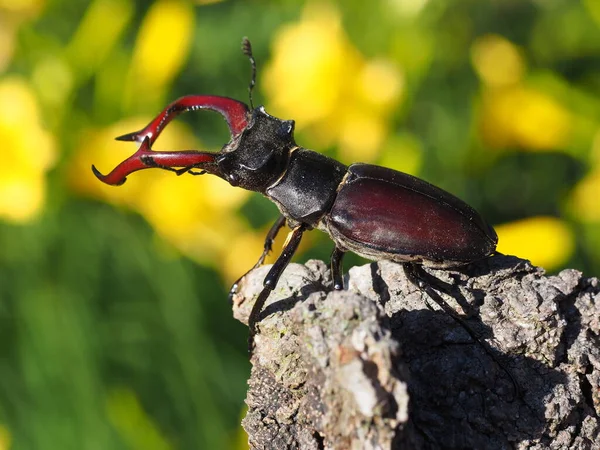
(373, 211)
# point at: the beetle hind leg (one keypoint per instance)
(421, 279)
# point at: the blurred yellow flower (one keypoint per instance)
(4, 438)
(311, 63)
(524, 117)
(321, 80)
(498, 62)
(12, 14)
(21, 6)
(28, 153)
(584, 202)
(53, 81)
(248, 247)
(585, 199)
(514, 115)
(99, 147)
(595, 152)
(179, 210)
(98, 32)
(161, 48)
(380, 84)
(547, 242)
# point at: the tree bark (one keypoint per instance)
(381, 366)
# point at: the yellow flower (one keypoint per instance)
(183, 211)
(585, 200)
(524, 117)
(513, 114)
(12, 14)
(161, 48)
(28, 152)
(545, 241)
(321, 80)
(311, 66)
(498, 62)
(5, 438)
(98, 33)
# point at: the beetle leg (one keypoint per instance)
(271, 235)
(337, 269)
(271, 280)
(235, 113)
(417, 276)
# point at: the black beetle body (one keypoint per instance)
(373, 211)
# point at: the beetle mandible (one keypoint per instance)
(373, 211)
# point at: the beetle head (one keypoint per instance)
(259, 155)
(254, 158)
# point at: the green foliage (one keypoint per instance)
(109, 341)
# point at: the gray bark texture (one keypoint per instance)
(381, 366)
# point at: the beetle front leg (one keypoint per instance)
(336, 268)
(272, 278)
(271, 235)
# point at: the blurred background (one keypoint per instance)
(115, 328)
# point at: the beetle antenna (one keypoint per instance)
(247, 49)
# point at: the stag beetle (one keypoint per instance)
(373, 211)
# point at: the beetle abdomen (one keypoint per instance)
(382, 213)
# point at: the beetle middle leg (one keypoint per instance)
(272, 278)
(268, 246)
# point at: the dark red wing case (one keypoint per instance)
(389, 211)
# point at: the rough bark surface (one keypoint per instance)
(381, 366)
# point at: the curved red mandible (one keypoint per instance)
(145, 158)
(234, 112)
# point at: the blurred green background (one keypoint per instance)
(116, 332)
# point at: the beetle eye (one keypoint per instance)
(233, 179)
